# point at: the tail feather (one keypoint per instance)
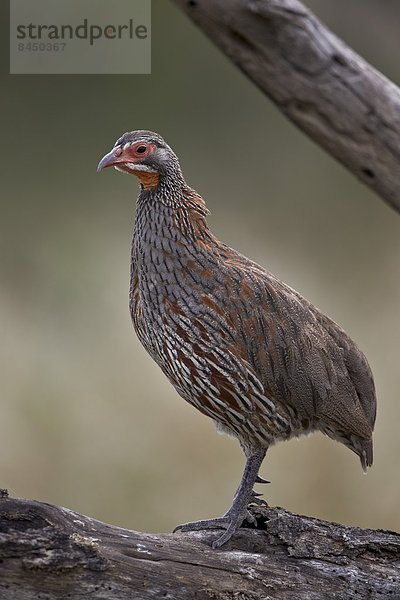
(366, 454)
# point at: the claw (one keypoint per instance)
(261, 480)
(255, 494)
(258, 501)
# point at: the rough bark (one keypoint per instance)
(48, 552)
(324, 87)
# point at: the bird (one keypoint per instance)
(237, 343)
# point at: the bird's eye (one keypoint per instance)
(140, 150)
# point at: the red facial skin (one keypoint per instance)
(120, 157)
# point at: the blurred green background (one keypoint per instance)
(88, 421)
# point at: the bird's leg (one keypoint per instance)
(238, 512)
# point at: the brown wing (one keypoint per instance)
(302, 357)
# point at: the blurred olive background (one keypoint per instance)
(87, 420)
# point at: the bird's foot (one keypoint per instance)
(230, 522)
(238, 512)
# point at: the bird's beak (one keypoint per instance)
(111, 159)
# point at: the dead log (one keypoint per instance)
(51, 553)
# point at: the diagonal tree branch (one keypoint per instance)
(50, 553)
(319, 83)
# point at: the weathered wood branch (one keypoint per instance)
(324, 87)
(48, 553)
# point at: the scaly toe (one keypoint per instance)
(250, 518)
(221, 522)
(233, 525)
(228, 533)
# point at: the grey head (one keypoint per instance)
(144, 154)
